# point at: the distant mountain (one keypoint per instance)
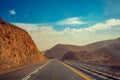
(109, 48)
(16, 47)
(60, 50)
(100, 52)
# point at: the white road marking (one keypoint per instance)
(34, 72)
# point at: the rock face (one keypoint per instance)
(107, 52)
(16, 47)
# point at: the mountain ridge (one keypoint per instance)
(100, 52)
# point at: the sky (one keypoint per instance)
(52, 22)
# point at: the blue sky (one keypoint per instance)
(78, 19)
(47, 11)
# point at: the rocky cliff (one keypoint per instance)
(16, 47)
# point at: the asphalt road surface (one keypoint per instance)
(50, 70)
(20, 73)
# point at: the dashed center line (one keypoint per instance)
(34, 72)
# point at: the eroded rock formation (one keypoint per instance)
(16, 47)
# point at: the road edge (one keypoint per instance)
(76, 71)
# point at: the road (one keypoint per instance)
(50, 70)
(20, 73)
(95, 74)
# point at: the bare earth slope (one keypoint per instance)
(100, 52)
(60, 50)
(16, 47)
(111, 47)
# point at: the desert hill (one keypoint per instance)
(60, 50)
(16, 47)
(107, 51)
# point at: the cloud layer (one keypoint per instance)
(99, 26)
(71, 21)
(45, 36)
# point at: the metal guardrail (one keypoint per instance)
(98, 72)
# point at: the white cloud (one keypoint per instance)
(27, 27)
(45, 36)
(99, 26)
(71, 21)
(113, 22)
(12, 12)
